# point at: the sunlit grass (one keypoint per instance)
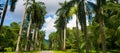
(7, 52)
(22, 52)
(67, 51)
(59, 52)
(91, 51)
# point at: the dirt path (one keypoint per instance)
(46, 52)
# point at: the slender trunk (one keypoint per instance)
(86, 36)
(27, 37)
(31, 48)
(85, 31)
(85, 27)
(96, 46)
(102, 35)
(101, 23)
(64, 43)
(61, 37)
(40, 45)
(3, 16)
(59, 40)
(19, 36)
(35, 45)
(52, 45)
(77, 35)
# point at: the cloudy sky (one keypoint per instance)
(52, 6)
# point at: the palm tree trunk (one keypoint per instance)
(64, 44)
(102, 35)
(61, 39)
(96, 46)
(86, 36)
(101, 23)
(32, 44)
(52, 45)
(28, 32)
(40, 45)
(3, 16)
(35, 45)
(77, 35)
(85, 26)
(19, 36)
(85, 33)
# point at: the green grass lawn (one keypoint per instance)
(59, 52)
(22, 52)
(67, 51)
(91, 51)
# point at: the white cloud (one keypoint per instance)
(72, 23)
(52, 5)
(49, 26)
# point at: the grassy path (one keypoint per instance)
(46, 52)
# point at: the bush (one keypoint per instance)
(8, 49)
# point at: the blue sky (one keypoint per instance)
(52, 6)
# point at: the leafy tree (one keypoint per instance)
(53, 40)
(111, 14)
(8, 36)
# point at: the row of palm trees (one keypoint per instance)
(65, 12)
(80, 8)
(34, 12)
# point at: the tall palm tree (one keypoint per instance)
(28, 13)
(37, 12)
(28, 32)
(82, 6)
(74, 10)
(12, 7)
(83, 21)
(20, 32)
(61, 22)
(60, 25)
(99, 14)
(33, 34)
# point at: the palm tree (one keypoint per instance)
(83, 21)
(61, 22)
(82, 9)
(33, 34)
(74, 10)
(52, 40)
(81, 16)
(28, 32)
(37, 12)
(41, 39)
(60, 25)
(12, 7)
(19, 36)
(99, 14)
